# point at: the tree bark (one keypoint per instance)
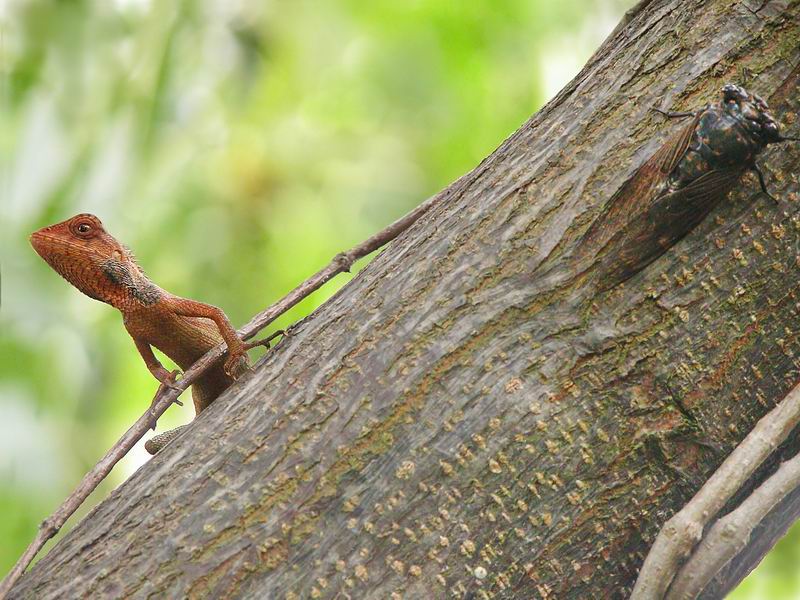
(458, 421)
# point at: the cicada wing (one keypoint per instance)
(639, 191)
(675, 214)
(671, 152)
(668, 219)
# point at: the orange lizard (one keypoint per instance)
(85, 254)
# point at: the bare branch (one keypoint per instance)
(730, 534)
(339, 264)
(679, 535)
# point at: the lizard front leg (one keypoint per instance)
(237, 350)
(166, 378)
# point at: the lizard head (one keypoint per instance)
(85, 254)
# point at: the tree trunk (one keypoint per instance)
(458, 422)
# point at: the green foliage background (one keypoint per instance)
(236, 147)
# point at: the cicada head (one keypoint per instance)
(752, 114)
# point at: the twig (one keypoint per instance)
(679, 535)
(340, 263)
(730, 534)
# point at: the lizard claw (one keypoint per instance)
(266, 341)
(168, 381)
(236, 364)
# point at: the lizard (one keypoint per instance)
(92, 260)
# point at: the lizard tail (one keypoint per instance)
(157, 442)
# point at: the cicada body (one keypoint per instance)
(680, 184)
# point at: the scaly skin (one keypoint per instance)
(87, 256)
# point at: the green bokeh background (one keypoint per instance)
(236, 147)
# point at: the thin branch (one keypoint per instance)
(680, 534)
(730, 534)
(339, 264)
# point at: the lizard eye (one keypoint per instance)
(83, 229)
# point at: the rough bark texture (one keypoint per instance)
(454, 423)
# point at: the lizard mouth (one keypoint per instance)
(51, 248)
(39, 240)
(68, 258)
(65, 256)
(48, 245)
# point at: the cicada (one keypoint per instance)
(680, 184)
